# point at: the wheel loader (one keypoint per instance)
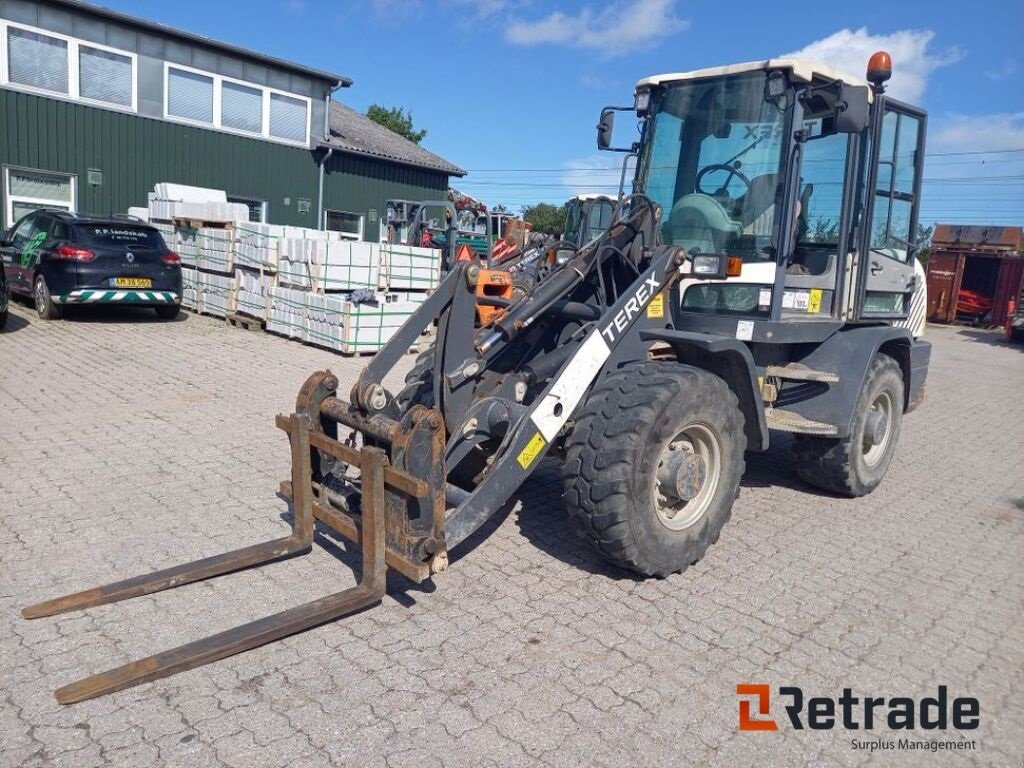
(759, 277)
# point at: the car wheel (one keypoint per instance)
(45, 305)
(167, 312)
(3, 318)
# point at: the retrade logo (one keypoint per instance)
(762, 694)
(849, 712)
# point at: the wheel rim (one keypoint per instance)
(40, 296)
(878, 429)
(689, 469)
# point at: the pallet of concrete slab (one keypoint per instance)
(336, 321)
(209, 247)
(212, 293)
(197, 206)
(409, 267)
(257, 246)
(250, 293)
(324, 262)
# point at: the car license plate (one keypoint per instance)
(133, 282)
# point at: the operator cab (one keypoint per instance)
(587, 216)
(792, 188)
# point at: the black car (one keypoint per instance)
(3, 298)
(60, 258)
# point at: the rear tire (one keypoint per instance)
(854, 466)
(619, 463)
(419, 386)
(46, 308)
(167, 311)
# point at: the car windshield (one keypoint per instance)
(119, 235)
(713, 162)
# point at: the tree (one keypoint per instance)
(924, 242)
(396, 119)
(546, 218)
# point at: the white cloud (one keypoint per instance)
(913, 57)
(597, 173)
(394, 12)
(476, 10)
(613, 30)
(1008, 69)
(977, 133)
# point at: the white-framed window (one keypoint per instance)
(203, 98)
(27, 189)
(241, 107)
(257, 207)
(350, 225)
(189, 95)
(44, 62)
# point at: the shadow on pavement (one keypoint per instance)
(15, 323)
(117, 314)
(994, 338)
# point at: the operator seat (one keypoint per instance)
(757, 206)
(699, 224)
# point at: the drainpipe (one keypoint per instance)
(320, 223)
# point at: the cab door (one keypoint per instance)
(886, 275)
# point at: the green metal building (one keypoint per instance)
(97, 106)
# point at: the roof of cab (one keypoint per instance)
(801, 69)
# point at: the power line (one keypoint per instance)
(619, 167)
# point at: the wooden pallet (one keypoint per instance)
(244, 322)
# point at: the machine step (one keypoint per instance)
(800, 372)
(787, 421)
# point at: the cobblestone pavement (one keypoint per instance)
(128, 444)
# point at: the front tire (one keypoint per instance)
(46, 308)
(855, 465)
(653, 466)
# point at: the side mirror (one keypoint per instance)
(842, 108)
(851, 114)
(604, 129)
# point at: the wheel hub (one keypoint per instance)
(878, 425)
(688, 472)
(682, 476)
(874, 428)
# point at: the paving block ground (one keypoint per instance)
(128, 444)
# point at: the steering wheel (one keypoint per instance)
(722, 191)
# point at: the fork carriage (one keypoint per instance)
(398, 522)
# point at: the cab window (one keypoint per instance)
(821, 189)
(895, 201)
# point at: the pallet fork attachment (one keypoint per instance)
(433, 466)
(367, 528)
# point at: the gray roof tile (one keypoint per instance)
(356, 133)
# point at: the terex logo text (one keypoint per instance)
(853, 712)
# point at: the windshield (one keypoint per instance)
(713, 162)
(114, 235)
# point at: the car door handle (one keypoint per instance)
(875, 268)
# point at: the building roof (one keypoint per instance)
(209, 42)
(800, 68)
(356, 133)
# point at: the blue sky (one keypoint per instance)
(510, 89)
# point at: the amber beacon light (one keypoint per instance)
(879, 68)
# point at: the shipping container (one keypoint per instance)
(973, 273)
